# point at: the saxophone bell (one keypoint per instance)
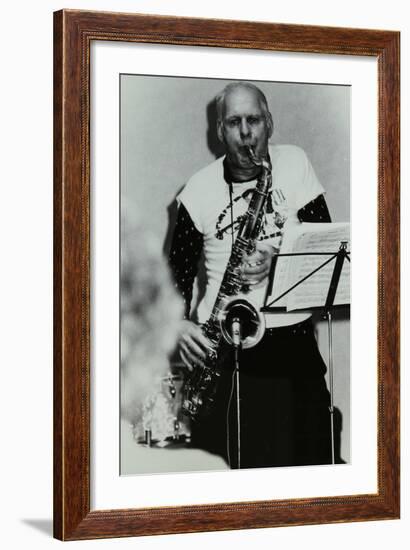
(251, 320)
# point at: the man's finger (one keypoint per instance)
(191, 358)
(193, 351)
(201, 339)
(256, 257)
(253, 278)
(249, 271)
(257, 269)
(194, 348)
(185, 360)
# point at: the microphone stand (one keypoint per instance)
(236, 342)
(340, 257)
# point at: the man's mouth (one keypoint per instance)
(244, 150)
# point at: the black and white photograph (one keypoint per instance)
(234, 275)
(190, 358)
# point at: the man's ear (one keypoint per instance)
(270, 124)
(220, 131)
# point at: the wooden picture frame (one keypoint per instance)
(74, 32)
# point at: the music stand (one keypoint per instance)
(340, 256)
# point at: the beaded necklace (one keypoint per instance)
(235, 223)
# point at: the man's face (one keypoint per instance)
(244, 122)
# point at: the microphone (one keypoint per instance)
(236, 332)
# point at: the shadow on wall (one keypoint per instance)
(214, 145)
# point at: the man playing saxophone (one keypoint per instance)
(283, 396)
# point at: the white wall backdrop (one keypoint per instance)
(26, 289)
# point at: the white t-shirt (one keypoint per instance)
(206, 197)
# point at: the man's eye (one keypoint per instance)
(254, 119)
(233, 122)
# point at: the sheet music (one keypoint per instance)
(310, 237)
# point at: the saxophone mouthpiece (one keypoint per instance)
(252, 155)
(257, 160)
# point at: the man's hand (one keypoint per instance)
(256, 266)
(193, 345)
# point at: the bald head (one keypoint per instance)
(220, 99)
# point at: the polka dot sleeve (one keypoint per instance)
(315, 211)
(186, 248)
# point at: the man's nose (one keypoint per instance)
(244, 128)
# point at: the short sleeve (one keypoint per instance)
(310, 187)
(293, 173)
(191, 199)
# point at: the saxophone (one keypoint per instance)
(200, 385)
